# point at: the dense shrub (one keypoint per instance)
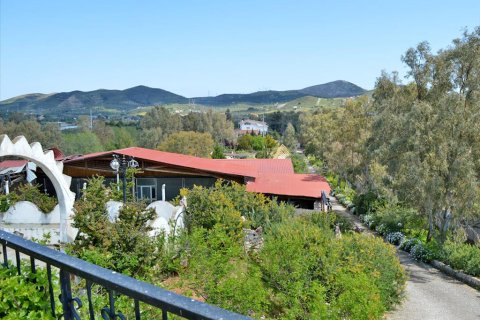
(219, 271)
(378, 261)
(319, 276)
(367, 202)
(395, 238)
(462, 256)
(408, 244)
(302, 271)
(226, 204)
(329, 220)
(24, 296)
(420, 253)
(31, 193)
(4, 203)
(299, 164)
(123, 245)
(295, 262)
(370, 220)
(397, 218)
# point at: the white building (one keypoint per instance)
(258, 127)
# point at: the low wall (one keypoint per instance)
(24, 218)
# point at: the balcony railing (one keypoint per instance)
(114, 283)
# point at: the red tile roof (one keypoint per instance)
(270, 176)
(13, 163)
(299, 185)
(176, 159)
(280, 166)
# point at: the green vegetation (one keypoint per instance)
(461, 256)
(24, 296)
(31, 193)
(189, 142)
(218, 152)
(299, 164)
(411, 152)
(123, 245)
(296, 269)
(263, 145)
(289, 138)
(294, 266)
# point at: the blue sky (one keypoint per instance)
(200, 48)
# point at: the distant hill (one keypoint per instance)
(254, 98)
(79, 102)
(335, 89)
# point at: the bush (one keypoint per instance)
(398, 218)
(367, 202)
(395, 238)
(226, 203)
(370, 220)
(318, 276)
(420, 253)
(299, 164)
(123, 245)
(219, 271)
(330, 221)
(24, 296)
(408, 244)
(4, 203)
(379, 262)
(31, 193)
(294, 263)
(462, 256)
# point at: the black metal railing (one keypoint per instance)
(114, 283)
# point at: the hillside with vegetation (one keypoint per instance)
(76, 103)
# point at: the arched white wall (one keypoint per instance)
(19, 147)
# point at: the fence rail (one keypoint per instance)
(139, 291)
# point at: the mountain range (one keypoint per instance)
(142, 96)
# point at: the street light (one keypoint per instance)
(120, 165)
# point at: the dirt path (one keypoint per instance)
(429, 293)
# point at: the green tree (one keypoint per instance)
(338, 137)
(104, 132)
(228, 115)
(81, 143)
(289, 138)
(121, 139)
(426, 134)
(218, 152)
(189, 142)
(160, 117)
(151, 138)
(245, 142)
(52, 137)
(84, 123)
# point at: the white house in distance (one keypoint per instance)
(259, 127)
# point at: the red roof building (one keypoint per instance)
(274, 177)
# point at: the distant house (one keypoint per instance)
(252, 125)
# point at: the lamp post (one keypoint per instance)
(120, 165)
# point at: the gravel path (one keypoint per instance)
(429, 293)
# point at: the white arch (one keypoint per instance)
(19, 147)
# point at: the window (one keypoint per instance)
(146, 189)
(148, 193)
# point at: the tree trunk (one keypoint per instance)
(430, 225)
